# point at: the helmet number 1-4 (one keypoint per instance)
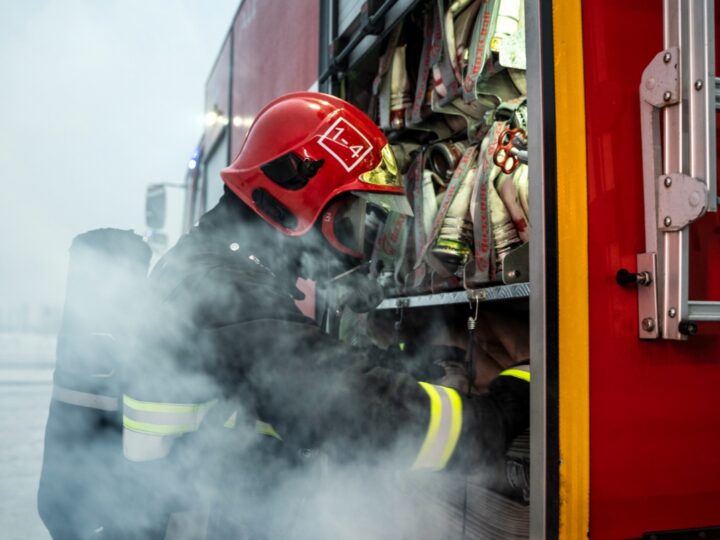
(345, 143)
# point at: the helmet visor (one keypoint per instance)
(391, 202)
(386, 173)
(344, 225)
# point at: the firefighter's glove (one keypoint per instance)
(439, 364)
(455, 375)
(449, 367)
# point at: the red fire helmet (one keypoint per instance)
(303, 150)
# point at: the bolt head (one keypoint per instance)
(648, 324)
(668, 181)
(667, 221)
(698, 84)
(672, 312)
(667, 96)
(667, 57)
(695, 198)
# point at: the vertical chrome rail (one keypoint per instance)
(538, 301)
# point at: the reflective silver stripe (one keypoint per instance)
(84, 399)
(444, 427)
(146, 446)
(161, 418)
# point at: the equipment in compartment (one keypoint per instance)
(447, 85)
(454, 106)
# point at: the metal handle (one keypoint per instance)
(624, 277)
(679, 162)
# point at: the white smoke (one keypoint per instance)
(96, 101)
(93, 89)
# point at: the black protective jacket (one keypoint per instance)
(222, 326)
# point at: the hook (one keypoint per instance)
(472, 321)
(398, 324)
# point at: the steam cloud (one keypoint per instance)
(326, 480)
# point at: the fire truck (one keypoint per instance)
(618, 140)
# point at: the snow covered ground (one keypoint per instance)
(26, 365)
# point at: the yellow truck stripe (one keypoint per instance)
(573, 270)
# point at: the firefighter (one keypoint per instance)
(226, 354)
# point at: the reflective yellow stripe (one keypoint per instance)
(263, 428)
(163, 418)
(455, 427)
(444, 427)
(150, 406)
(434, 424)
(231, 422)
(157, 429)
(517, 373)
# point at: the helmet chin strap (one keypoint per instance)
(361, 266)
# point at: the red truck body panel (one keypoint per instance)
(217, 95)
(275, 51)
(654, 405)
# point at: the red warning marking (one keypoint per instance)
(345, 143)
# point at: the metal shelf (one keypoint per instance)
(485, 294)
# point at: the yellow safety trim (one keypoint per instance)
(263, 428)
(151, 406)
(157, 429)
(455, 428)
(434, 425)
(231, 422)
(572, 230)
(428, 457)
(517, 373)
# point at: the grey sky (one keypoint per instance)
(97, 99)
